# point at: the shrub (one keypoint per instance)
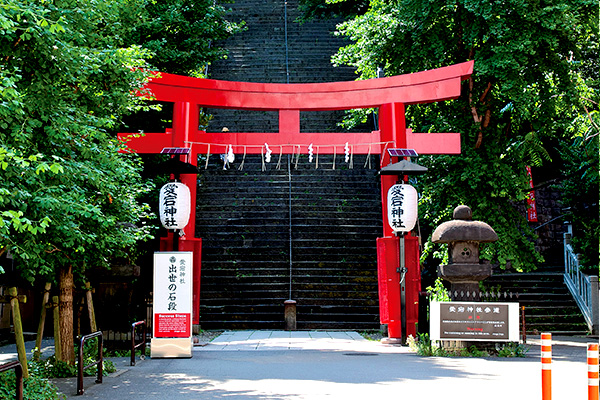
(36, 387)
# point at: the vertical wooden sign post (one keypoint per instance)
(16, 312)
(90, 307)
(172, 305)
(55, 319)
(42, 322)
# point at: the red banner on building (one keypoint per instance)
(531, 206)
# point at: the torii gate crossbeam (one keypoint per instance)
(390, 95)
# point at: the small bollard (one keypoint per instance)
(290, 315)
(592, 362)
(546, 366)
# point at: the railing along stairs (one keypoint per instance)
(584, 288)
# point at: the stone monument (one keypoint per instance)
(463, 235)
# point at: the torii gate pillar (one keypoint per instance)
(185, 125)
(392, 125)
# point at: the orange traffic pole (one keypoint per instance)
(592, 362)
(546, 366)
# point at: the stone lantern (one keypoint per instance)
(463, 235)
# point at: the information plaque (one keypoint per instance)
(474, 321)
(172, 305)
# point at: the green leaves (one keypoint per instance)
(65, 190)
(181, 34)
(522, 99)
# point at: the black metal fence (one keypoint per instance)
(98, 362)
(142, 343)
(19, 376)
(490, 296)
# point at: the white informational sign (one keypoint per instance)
(174, 203)
(490, 322)
(172, 304)
(402, 207)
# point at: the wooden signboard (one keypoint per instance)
(474, 321)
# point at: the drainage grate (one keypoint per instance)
(361, 354)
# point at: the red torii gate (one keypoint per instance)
(390, 95)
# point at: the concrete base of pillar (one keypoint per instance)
(392, 341)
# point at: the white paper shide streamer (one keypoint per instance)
(230, 155)
(346, 153)
(310, 153)
(268, 153)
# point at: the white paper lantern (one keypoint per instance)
(174, 205)
(402, 204)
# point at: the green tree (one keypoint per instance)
(523, 91)
(183, 37)
(69, 71)
(580, 179)
(68, 200)
(580, 155)
(318, 9)
(181, 34)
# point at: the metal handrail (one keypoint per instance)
(99, 362)
(19, 375)
(142, 344)
(584, 288)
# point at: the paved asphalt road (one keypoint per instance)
(334, 365)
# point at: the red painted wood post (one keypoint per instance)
(413, 284)
(392, 128)
(185, 126)
(546, 366)
(592, 362)
(389, 286)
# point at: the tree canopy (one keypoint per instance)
(69, 71)
(530, 89)
(67, 196)
(181, 34)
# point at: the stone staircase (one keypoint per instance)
(549, 306)
(243, 217)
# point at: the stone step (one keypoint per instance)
(282, 241)
(222, 256)
(217, 221)
(281, 214)
(299, 239)
(307, 253)
(361, 177)
(244, 220)
(326, 191)
(357, 205)
(548, 304)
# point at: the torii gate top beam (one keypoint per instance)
(390, 95)
(420, 87)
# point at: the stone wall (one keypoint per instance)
(550, 233)
(259, 55)
(550, 236)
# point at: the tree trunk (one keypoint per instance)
(40, 331)
(65, 306)
(55, 319)
(16, 312)
(90, 306)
